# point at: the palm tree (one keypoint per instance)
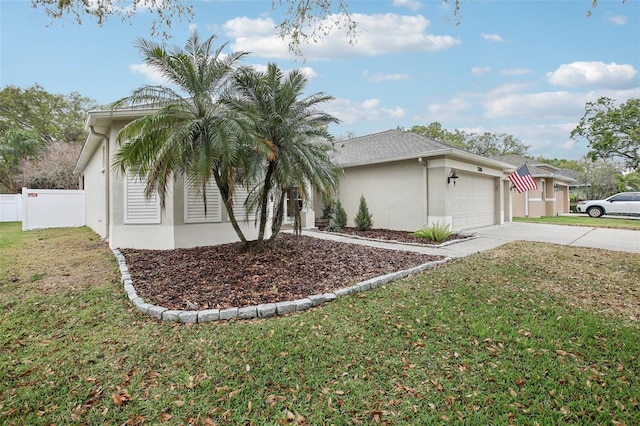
(17, 148)
(191, 133)
(628, 182)
(293, 143)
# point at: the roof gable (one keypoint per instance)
(536, 168)
(385, 146)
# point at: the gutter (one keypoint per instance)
(453, 152)
(106, 172)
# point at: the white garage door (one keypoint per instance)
(473, 201)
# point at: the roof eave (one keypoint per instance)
(453, 152)
(104, 118)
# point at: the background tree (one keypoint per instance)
(561, 163)
(17, 149)
(54, 170)
(486, 144)
(612, 131)
(292, 140)
(54, 117)
(51, 119)
(597, 179)
(436, 132)
(493, 145)
(628, 182)
(304, 20)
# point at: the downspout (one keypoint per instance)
(106, 180)
(425, 207)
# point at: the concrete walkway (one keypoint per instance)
(493, 236)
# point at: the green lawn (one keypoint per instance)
(526, 333)
(584, 220)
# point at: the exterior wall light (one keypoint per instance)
(452, 177)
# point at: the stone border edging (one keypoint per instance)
(380, 240)
(257, 311)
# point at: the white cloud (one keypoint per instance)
(617, 19)
(515, 71)
(411, 4)
(308, 71)
(378, 35)
(509, 88)
(480, 70)
(369, 110)
(561, 105)
(543, 104)
(151, 74)
(380, 77)
(595, 74)
(493, 37)
(452, 107)
(250, 27)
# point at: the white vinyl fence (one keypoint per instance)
(10, 207)
(52, 208)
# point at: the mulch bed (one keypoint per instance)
(219, 277)
(399, 236)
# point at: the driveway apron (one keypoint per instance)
(493, 236)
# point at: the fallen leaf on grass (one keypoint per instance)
(120, 398)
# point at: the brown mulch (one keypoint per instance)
(219, 277)
(399, 236)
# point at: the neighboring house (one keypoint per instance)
(118, 211)
(577, 189)
(552, 196)
(408, 183)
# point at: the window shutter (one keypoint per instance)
(239, 197)
(138, 208)
(194, 204)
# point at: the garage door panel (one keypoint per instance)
(473, 202)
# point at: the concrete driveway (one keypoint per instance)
(581, 236)
(493, 236)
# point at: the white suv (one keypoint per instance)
(624, 204)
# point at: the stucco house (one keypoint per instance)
(552, 196)
(410, 182)
(118, 211)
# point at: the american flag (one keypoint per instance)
(522, 179)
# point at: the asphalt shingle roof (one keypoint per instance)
(385, 146)
(536, 168)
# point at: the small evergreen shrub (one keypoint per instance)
(436, 232)
(327, 209)
(363, 219)
(333, 227)
(340, 216)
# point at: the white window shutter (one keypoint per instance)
(239, 197)
(194, 211)
(139, 209)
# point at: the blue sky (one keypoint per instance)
(525, 68)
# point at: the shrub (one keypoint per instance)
(327, 209)
(340, 215)
(333, 227)
(436, 232)
(363, 219)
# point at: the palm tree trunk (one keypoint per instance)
(228, 204)
(264, 202)
(278, 217)
(297, 222)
